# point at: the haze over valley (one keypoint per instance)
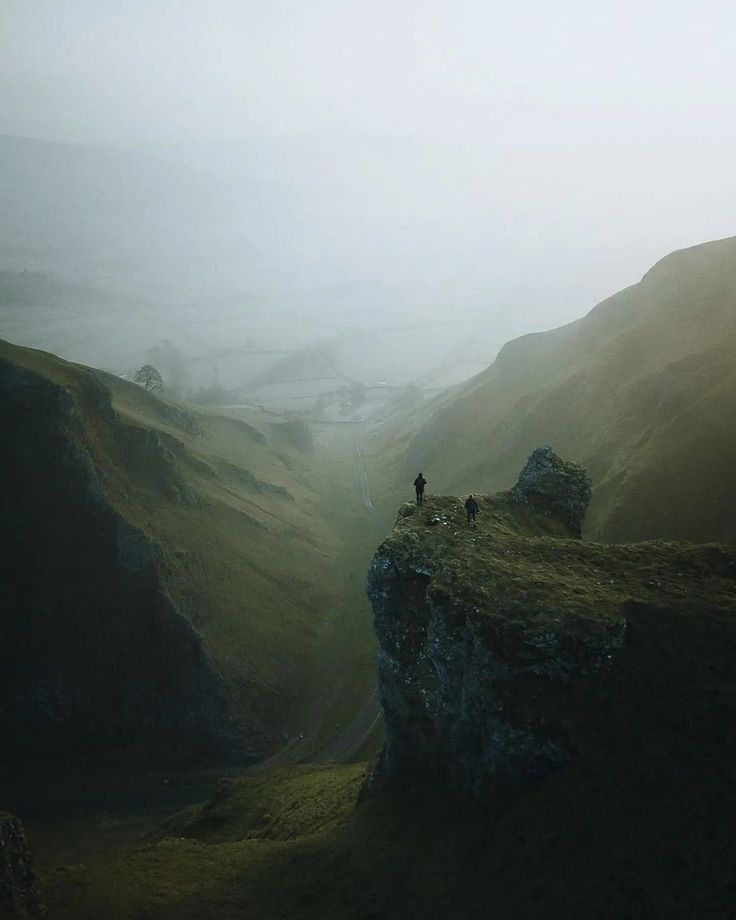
(456, 205)
(259, 266)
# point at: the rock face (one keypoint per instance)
(556, 487)
(505, 649)
(20, 898)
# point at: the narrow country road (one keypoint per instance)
(361, 479)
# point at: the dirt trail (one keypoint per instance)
(361, 478)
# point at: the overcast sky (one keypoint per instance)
(574, 142)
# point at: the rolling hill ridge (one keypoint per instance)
(641, 391)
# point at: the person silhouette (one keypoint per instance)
(419, 483)
(471, 506)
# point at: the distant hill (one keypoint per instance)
(105, 217)
(107, 253)
(36, 289)
(641, 391)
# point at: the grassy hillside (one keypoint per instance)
(635, 822)
(236, 517)
(626, 834)
(641, 391)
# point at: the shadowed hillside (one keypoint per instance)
(170, 577)
(557, 743)
(641, 391)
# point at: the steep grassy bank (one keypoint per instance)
(174, 575)
(641, 391)
(559, 719)
(606, 841)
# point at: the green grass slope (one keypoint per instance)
(641, 391)
(636, 823)
(229, 546)
(303, 843)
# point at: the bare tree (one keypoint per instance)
(171, 363)
(149, 378)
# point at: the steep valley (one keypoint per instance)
(367, 460)
(531, 718)
(559, 744)
(183, 596)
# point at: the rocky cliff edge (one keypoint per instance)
(508, 648)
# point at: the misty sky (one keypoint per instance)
(550, 152)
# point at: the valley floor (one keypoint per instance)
(309, 842)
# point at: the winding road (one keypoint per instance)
(362, 481)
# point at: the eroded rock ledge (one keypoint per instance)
(504, 649)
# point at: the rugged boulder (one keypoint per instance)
(555, 487)
(508, 649)
(20, 898)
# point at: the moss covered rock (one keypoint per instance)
(555, 487)
(508, 648)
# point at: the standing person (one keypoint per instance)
(471, 506)
(419, 483)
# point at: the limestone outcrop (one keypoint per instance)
(20, 898)
(555, 487)
(508, 648)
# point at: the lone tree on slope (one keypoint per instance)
(149, 378)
